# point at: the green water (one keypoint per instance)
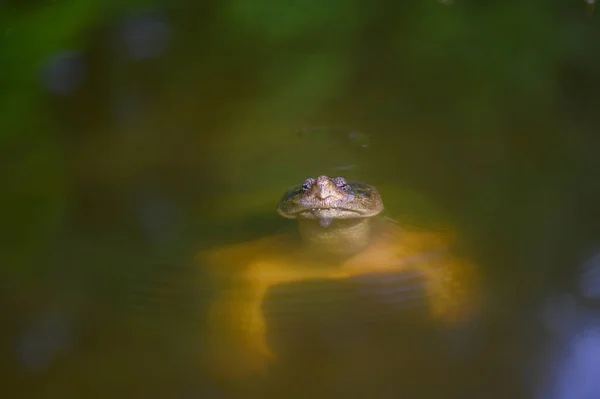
(475, 116)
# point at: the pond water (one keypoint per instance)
(138, 135)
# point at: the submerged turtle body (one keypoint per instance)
(341, 238)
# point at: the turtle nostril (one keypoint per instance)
(323, 195)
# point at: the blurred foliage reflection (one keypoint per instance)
(135, 133)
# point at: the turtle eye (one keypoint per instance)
(340, 182)
(307, 184)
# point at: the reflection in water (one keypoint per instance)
(589, 281)
(64, 73)
(160, 219)
(52, 333)
(144, 35)
(331, 139)
(573, 323)
(207, 97)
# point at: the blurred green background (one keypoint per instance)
(135, 133)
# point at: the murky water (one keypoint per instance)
(142, 136)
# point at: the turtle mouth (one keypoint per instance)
(328, 213)
(323, 204)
